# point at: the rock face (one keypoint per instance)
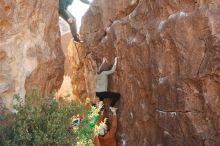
(30, 49)
(169, 68)
(79, 70)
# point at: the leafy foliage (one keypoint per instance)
(47, 122)
(87, 128)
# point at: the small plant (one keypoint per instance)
(47, 122)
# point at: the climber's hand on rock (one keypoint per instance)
(104, 60)
(70, 20)
(113, 110)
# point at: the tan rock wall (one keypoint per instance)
(79, 71)
(169, 68)
(30, 50)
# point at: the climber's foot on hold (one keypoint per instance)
(77, 39)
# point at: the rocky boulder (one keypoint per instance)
(169, 68)
(30, 49)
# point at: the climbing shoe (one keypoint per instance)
(77, 39)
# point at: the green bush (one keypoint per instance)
(46, 122)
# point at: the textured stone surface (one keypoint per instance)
(169, 68)
(30, 49)
(79, 70)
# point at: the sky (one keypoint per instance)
(78, 9)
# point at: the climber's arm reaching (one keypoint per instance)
(113, 67)
(113, 129)
(104, 60)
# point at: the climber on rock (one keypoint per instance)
(69, 18)
(106, 134)
(102, 82)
